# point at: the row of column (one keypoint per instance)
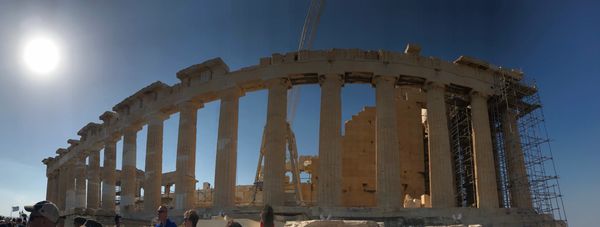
(389, 185)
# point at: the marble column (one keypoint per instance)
(275, 142)
(440, 158)
(483, 156)
(153, 172)
(330, 141)
(69, 188)
(226, 161)
(93, 187)
(518, 184)
(109, 181)
(128, 171)
(185, 169)
(51, 187)
(389, 188)
(80, 181)
(62, 187)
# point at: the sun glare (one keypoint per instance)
(41, 55)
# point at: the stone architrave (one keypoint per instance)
(276, 130)
(128, 171)
(330, 141)
(226, 160)
(440, 157)
(185, 170)
(518, 184)
(389, 188)
(93, 184)
(109, 179)
(154, 157)
(485, 173)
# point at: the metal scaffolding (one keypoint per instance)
(523, 99)
(459, 128)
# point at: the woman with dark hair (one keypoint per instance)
(266, 216)
(190, 218)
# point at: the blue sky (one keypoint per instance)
(112, 49)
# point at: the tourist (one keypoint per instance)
(92, 223)
(79, 221)
(117, 220)
(43, 213)
(190, 218)
(233, 224)
(163, 220)
(266, 217)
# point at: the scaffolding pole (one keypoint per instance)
(523, 99)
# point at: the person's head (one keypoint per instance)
(162, 213)
(79, 221)
(92, 223)
(190, 218)
(233, 224)
(43, 213)
(266, 215)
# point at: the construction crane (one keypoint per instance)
(306, 39)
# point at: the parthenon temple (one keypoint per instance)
(442, 145)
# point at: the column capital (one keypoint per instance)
(379, 79)
(231, 93)
(157, 118)
(189, 105)
(113, 137)
(135, 127)
(481, 94)
(332, 78)
(283, 82)
(433, 85)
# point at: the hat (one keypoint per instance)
(92, 223)
(46, 209)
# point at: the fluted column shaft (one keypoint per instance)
(185, 179)
(515, 162)
(80, 181)
(330, 142)
(69, 185)
(62, 187)
(440, 158)
(485, 172)
(109, 181)
(128, 171)
(226, 165)
(154, 156)
(276, 131)
(52, 187)
(389, 188)
(93, 187)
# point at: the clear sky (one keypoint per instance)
(109, 50)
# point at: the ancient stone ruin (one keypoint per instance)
(443, 145)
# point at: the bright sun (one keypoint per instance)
(41, 55)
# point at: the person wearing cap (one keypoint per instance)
(43, 213)
(163, 220)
